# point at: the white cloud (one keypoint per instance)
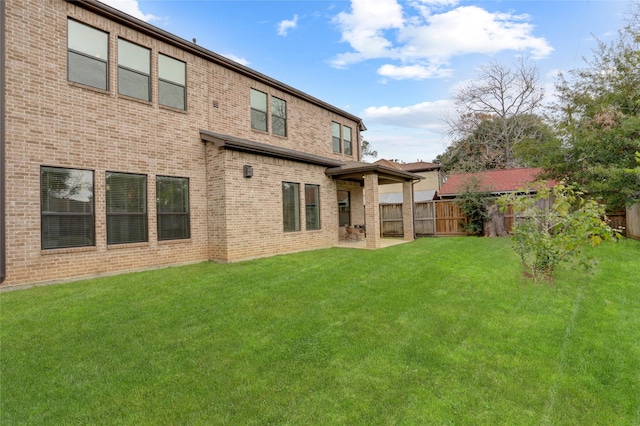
(131, 7)
(425, 115)
(427, 34)
(286, 25)
(413, 72)
(241, 61)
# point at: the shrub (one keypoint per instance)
(554, 226)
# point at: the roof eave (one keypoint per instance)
(246, 145)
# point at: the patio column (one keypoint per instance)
(407, 210)
(372, 210)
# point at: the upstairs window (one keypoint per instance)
(335, 137)
(279, 116)
(258, 110)
(66, 207)
(172, 195)
(134, 69)
(126, 208)
(172, 82)
(347, 140)
(87, 55)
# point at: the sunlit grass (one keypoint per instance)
(438, 331)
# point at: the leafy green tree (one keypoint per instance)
(554, 226)
(598, 120)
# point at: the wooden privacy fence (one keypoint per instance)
(430, 218)
(441, 217)
(444, 217)
(633, 221)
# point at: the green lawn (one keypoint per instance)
(438, 331)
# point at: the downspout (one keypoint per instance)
(413, 208)
(3, 240)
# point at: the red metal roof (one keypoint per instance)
(491, 181)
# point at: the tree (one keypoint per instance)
(367, 150)
(554, 226)
(473, 204)
(494, 113)
(598, 118)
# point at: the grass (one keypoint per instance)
(438, 331)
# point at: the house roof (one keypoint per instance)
(494, 181)
(418, 166)
(246, 145)
(355, 170)
(173, 40)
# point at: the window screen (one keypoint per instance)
(279, 116)
(87, 55)
(258, 110)
(126, 208)
(291, 206)
(172, 194)
(134, 65)
(312, 206)
(172, 82)
(335, 137)
(67, 209)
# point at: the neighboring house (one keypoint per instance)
(430, 172)
(495, 182)
(424, 190)
(124, 147)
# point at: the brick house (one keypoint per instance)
(124, 147)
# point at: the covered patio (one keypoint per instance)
(370, 177)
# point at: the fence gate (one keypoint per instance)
(449, 218)
(391, 220)
(424, 218)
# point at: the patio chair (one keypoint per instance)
(352, 233)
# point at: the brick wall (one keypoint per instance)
(53, 122)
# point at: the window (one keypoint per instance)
(335, 136)
(344, 208)
(291, 206)
(87, 55)
(172, 194)
(347, 140)
(126, 208)
(279, 116)
(258, 110)
(312, 204)
(172, 82)
(66, 203)
(134, 65)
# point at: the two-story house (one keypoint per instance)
(125, 147)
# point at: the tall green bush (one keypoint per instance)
(473, 204)
(554, 226)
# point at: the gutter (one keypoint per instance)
(3, 223)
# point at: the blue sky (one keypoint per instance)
(393, 63)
